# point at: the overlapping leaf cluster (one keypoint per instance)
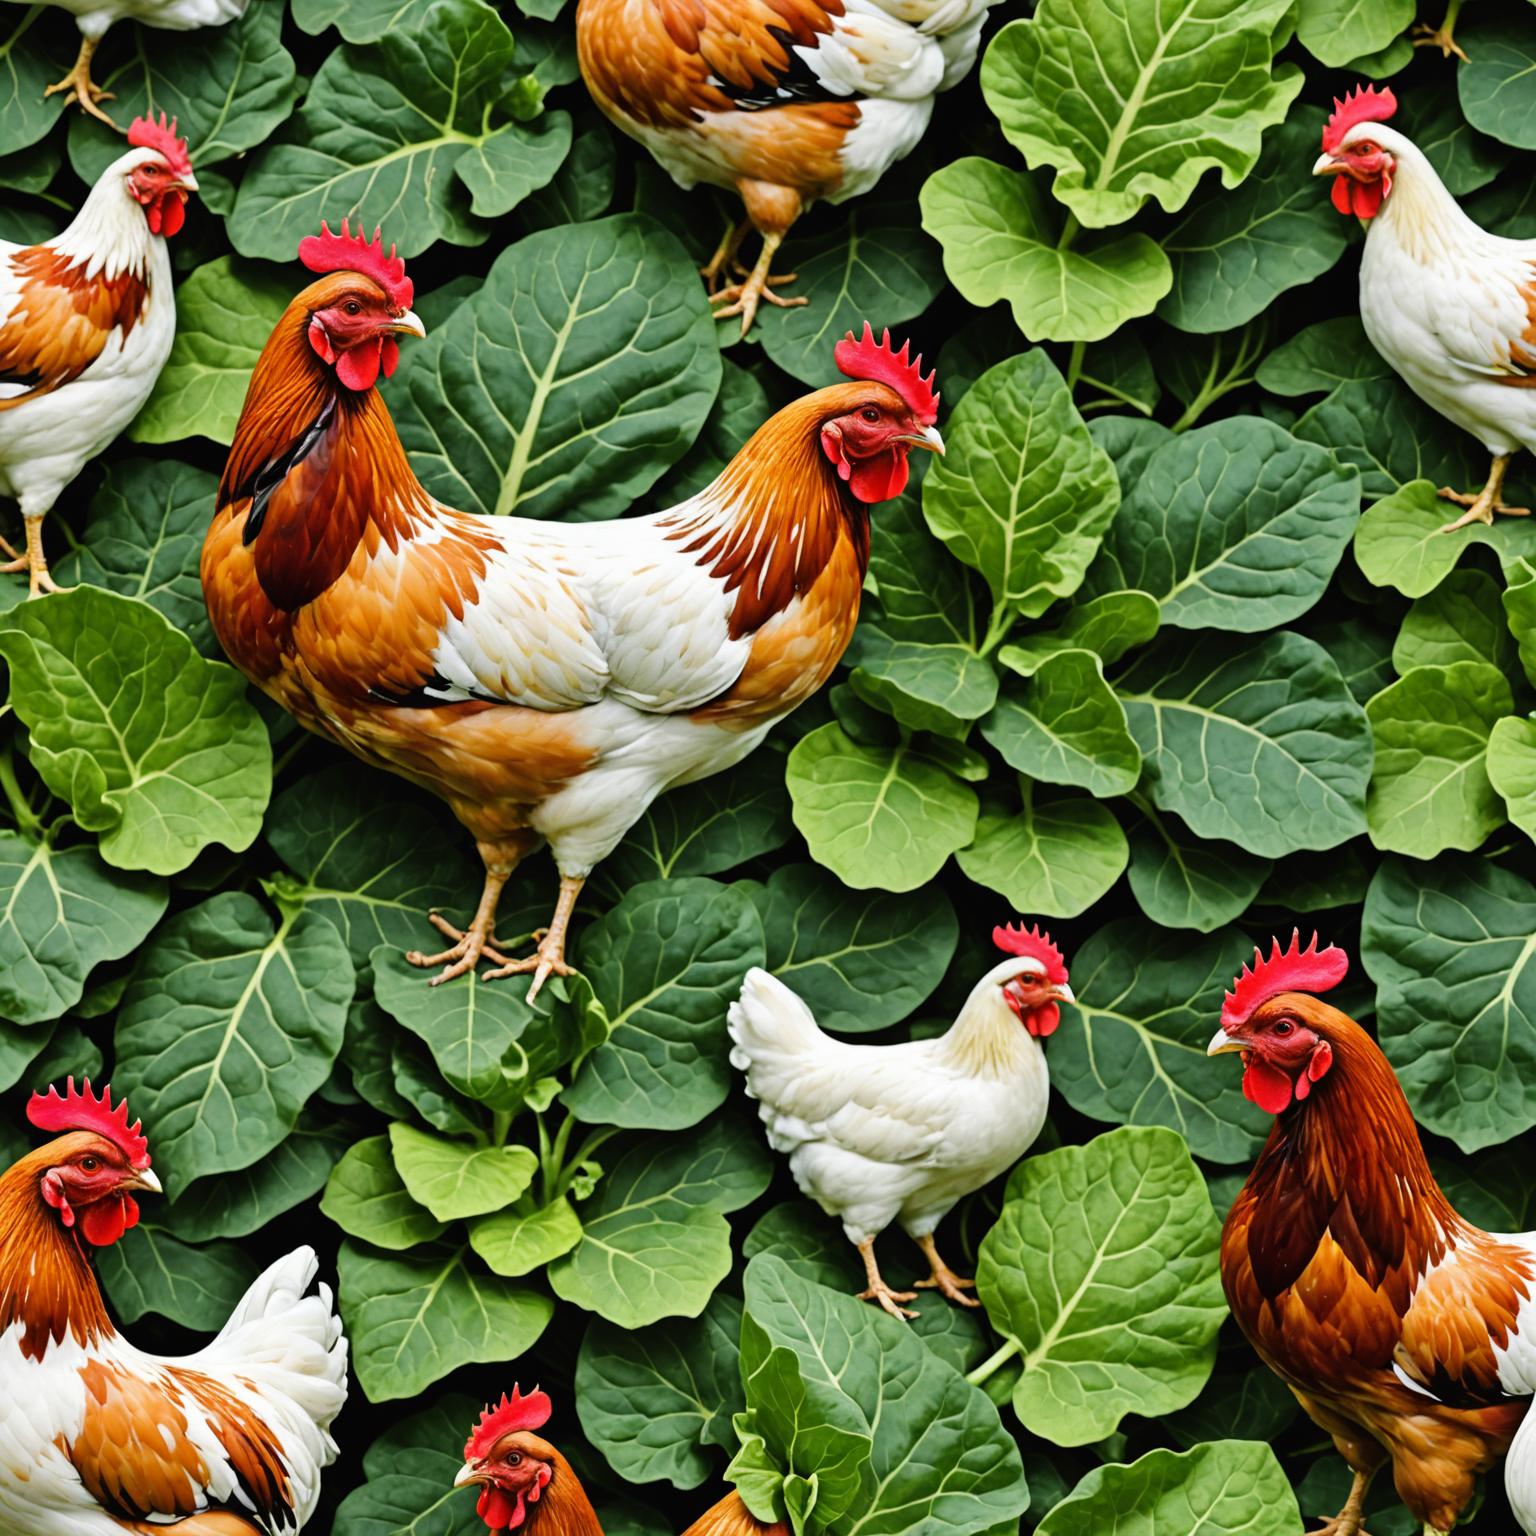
(1166, 650)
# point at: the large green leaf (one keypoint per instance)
(1129, 100)
(149, 1270)
(583, 367)
(1024, 493)
(665, 964)
(366, 1197)
(1133, 1050)
(1429, 787)
(360, 21)
(410, 1471)
(36, 46)
(1235, 526)
(1225, 1488)
(1002, 241)
(1461, 620)
(1103, 1270)
(413, 1319)
(1495, 87)
(655, 1242)
(519, 1241)
(1512, 770)
(61, 914)
(1260, 744)
(938, 688)
(1321, 357)
(1337, 32)
(1108, 625)
(225, 312)
(454, 1179)
(230, 1023)
(154, 747)
(877, 817)
(1182, 882)
(1450, 947)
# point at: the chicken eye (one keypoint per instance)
(514, 1458)
(1284, 1027)
(869, 413)
(352, 307)
(89, 1164)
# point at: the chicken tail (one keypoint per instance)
(769, 1027)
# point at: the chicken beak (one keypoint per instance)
(928, 438)
(1327, 165)
(1222, 1043)
(469, 1473)
(145, 1178)
(1063, 993)
(408, 324)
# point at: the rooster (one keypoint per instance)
(883, 1133)
(785, 102)
(527, 1486)
(99, 1439)
(1449, 306)
(1402, 1329)
(95, 16)
(86, 324)
(547, 680)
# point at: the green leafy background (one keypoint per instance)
(1166, 651)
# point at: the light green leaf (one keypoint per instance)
(225, 311)
(515, 161)
(366, 1197)
(1495, 86)
(360, 21)
(1512, 770)
(1129, 100)
(1321, 357)
(1103, 1269)
(1023, 494)
(1520, 611)
(1000, 242)
(1461, 620)
(148, 1270)
(878, 817)
(938, 688)
(61, 915)
(1260, 744)
(1400, 542)
(229, 1025)
(1429, 788)
(154, 747)
(1182, 882)
(515, 1243)
(454, 1180)
(583, 367)
(410, 1471)
(1337, 32)
(415, 1319)
(1109, 626)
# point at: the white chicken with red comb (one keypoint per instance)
(878, 1134)
(1451, 307)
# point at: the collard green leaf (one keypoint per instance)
(62, 913)
(1234, 253)
(939, 688)
(1520, 611)
(859, 962)
(154, 747)
(1023, 494)
(1463, 158)
(415, 1079)
(1321, 357)
(410, 1471)
(655, 1242)
(1512, 770)
(1271, 723)
(1429, 787)
(665, 964)
(504, 168)
(515, 1243)
(1182, 882)
(414, 1319)
(1001, 241)
(584, 366)
(144, 538)
(877, 817)
(1461, 620)
(149, 1270)
(1056, 856)
(1129, 101)
(1109, 626)
(19, 1047)
(1236, 526)
(1449, 946)
(1225, 1488)
(230, 1023)
(923, 594)
(1401, 543)
(225, 311)
(1246, 1405)
(360, 21)
(1336, 32)
(1103, 1269)
(1495, 87)
(366, 1197)
(454, 1179)
(36, 46)
(652, 1401)
(1064, 725)
(1133, 1050)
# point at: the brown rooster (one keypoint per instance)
(548, 680)
(1401, 1328)
(528, 1486)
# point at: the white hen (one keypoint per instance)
(883, 1133)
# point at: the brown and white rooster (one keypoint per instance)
(1449, 306)
(98, 1438)
(86, 324)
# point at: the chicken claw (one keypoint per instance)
(725, 255)
(942, 1278)
(1426, 36)
(1482, 507)
(34, 562)
(470, 947)
(81, 87)
(1350, 1521)
(878, 1290)
(743, 298)
(549, 958)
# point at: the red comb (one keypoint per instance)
(83, 1111)
(1292, 970)
(1364, 104)
(511, 1414)
(1035, 944)
(880, 363)
(146, 133)
(347, 252)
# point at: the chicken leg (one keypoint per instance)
(878, 1290)
(942, 1278)
(1350, 1520)
(1481, 507)
(1442, 37)
(81, 87)
(725, 254)
(771, 209)
(549, 958)
(471, 943)
(34, 562)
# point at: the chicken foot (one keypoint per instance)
(725, 255)
(471, 943)
(942, 1278)
(1442, 37)
(878, 1290)
(549, 958)
(743, 298)
(1350, 1520)
(81, 87)
(34, 562)
(1482, 506)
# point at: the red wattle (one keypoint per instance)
(358, 367)
(1265, 1085)
(497, 1509)
(320, 340)
(173, 213)
(105, 1221)
(1340, 193)
(1043, 1021)
(880, 478)
(1320, 1060)
(389, 356)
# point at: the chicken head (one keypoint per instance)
(509, 1463)
(1354, 154)
(160, 179)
